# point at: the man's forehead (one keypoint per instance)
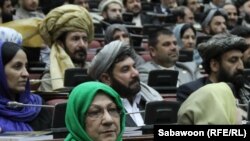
(127, 61)
(232, 53)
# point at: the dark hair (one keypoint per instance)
(185, 27)
(124, 2)
(206, 64)
(9, 50)
(219, 44)
(179, 12)
(62, 37)
(152, 38)
(241, 31)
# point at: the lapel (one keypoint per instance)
(129, 121)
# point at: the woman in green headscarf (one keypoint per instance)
(94, 112)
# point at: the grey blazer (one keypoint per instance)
(188, 71)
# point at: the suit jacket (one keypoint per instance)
(186, 89)
(158, 9)
(188, 71)
(243, 94)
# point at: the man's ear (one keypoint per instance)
(105, 78)
(207, 30)
(104, 15)
(214, 65)
(152, 51)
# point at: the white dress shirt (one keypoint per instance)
(137, 118)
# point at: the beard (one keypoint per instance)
(237, 79)
(129, 91)
(78, 57)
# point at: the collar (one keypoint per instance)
(137, 99)
(164, 68)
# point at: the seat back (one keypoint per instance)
(164, 81)
(165, 112)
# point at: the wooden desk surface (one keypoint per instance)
(146, 137)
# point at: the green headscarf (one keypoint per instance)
(78, 104)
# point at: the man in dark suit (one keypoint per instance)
(222, 61)
(139, 18)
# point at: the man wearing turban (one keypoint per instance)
(118, 71)
(67, 30)
(222, 61)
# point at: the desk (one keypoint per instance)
(146, 137)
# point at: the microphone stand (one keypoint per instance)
(15, 104)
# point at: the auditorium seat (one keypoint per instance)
(95, 44)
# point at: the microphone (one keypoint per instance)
(143, 111)
(14, 104)
(36, 81)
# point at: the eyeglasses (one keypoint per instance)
(99, 112)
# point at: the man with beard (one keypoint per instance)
(7, 11)
(139, 17)
(114, 65)
(214, 22)
(111, 10)
(232, 15)
(164, 52)
(68, 30)
(222, 61)
(244, 32)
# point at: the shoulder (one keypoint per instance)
(148, 66)
(194, 84)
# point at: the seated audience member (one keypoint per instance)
(14, 86)
(244, 32)
(222, 61)
(140, 17)
(212, 104)
(183, 15)
(68, 30)
(7, 11)
(165, 53)
(214, 22)
(119, 32)
(232, 14)
(111, 10)
(94, 112)
(10, 35)
(115, 66)
(28, 9)
(165, 6)
(186, 39)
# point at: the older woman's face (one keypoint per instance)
(188, 39)
(16, 72)
(103, 119)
